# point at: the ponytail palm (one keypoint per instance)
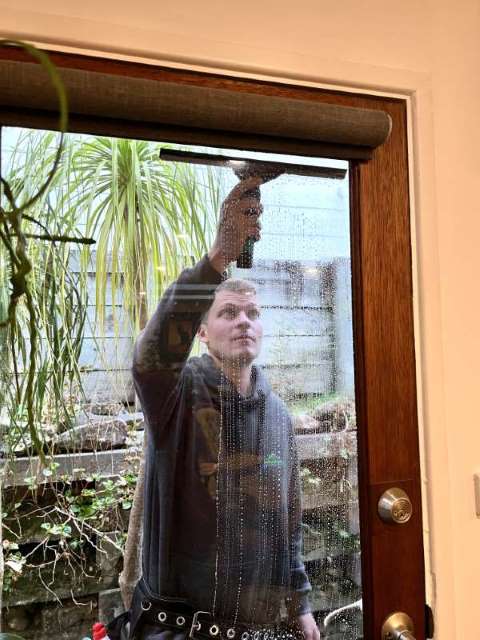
(150, 219)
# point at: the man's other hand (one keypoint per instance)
(306, 624)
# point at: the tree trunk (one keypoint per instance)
(132, 557)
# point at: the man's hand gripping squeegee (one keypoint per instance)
(245, 168)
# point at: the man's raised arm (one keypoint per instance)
(163, 346)
(167, 338)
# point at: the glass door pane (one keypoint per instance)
(251, 507)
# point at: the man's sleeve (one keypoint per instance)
(298, 601)
(163, 346)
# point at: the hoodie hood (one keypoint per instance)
(219, 386)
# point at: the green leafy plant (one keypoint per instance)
(78, 518)
(170, 215)
(15, 261)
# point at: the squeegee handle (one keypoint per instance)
(245, 259)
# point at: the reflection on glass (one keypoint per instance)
(244, 379)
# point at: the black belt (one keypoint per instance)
(177, 615)
(197, 624)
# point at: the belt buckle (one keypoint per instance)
(196, 625)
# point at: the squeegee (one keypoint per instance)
(247, 167)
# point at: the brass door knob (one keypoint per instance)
(395, 506)
(398, 626)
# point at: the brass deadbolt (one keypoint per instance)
(395, 506)
(398, 626)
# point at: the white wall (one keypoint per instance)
(428, 49)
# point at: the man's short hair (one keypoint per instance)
(237, 285)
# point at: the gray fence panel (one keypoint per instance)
(306, 315)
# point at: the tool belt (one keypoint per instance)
(177, 615)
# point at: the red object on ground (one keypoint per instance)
(99, 631)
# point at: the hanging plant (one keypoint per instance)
(18, 304)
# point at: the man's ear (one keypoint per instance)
(202, 333)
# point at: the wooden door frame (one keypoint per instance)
(385, 374)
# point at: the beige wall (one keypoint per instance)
(429, 50)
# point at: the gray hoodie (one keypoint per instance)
(222, 498)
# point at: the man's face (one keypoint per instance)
(233, 330)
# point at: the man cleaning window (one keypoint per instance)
(222, 530)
